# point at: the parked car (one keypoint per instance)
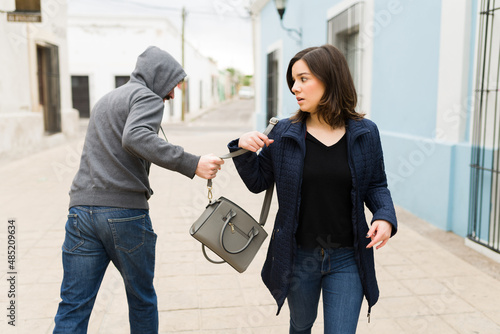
(246, 92)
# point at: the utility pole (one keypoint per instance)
(182, 61)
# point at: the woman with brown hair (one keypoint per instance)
(327, 163)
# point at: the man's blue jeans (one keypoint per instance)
(94, 237)
(333, 271)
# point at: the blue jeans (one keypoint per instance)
(333, 271)
(94, 237)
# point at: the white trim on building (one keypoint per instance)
(453, 101)
(258, 68)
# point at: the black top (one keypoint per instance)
(326, 206)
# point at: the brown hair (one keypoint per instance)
(329, 65)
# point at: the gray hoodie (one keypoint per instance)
(122, 138)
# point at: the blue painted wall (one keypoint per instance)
(428, 177)
(404, 102)
(405, 67)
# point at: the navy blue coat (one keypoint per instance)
(282, 163)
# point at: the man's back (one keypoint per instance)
(122, 141)
(108, 217)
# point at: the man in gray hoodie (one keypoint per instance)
(109, 214)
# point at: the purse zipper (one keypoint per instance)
(236, 228)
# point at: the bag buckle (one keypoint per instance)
(210, 195)
(209, 187)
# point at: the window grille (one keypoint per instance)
(49, 89)
(343, 33)
(484, 205)
(272, 84)
(80, 94)
(121, 80)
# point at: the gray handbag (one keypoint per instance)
(228, 230)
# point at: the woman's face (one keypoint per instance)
(307, 88)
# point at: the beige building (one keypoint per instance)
(35, 91)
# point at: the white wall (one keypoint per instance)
(453, 100)
(21, 118)
(105, 46)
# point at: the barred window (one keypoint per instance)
(272, 84)
(484, 207)
(343, 33)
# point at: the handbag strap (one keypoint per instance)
(272, 122)
(264, 212)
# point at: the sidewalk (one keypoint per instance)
(429, 281)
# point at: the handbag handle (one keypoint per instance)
(265, 206)
(269, 192)
(206, 256)
(251, 235)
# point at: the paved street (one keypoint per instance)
(430, 282)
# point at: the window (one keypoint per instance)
(121, 80)
(343, 33)
(28, 5)
(272, 84)
(484, 205)
(80, 94)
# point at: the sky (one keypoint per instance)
(220, 29)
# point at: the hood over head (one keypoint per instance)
(158, 71)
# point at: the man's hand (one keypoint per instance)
(208, 166)
(254, 140)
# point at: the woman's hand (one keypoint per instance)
(253, 141)
(379, 232)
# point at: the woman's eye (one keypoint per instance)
(303, 79)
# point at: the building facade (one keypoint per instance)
(104, 48)
(35, 103)
(427, 73)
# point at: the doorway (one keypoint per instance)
(49, 93)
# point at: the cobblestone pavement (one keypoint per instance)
(430, 282)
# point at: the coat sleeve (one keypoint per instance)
(378, 197)
(255, 170)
